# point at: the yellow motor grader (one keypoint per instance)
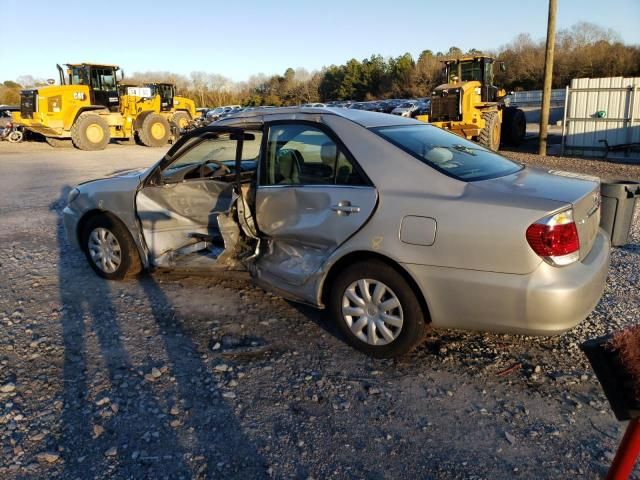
(89, 108)
(469, 105)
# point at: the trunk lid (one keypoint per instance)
(581, 191)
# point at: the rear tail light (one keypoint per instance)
(555, 238)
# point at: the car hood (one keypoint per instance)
(129, 173)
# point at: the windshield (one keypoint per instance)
(448, 153)
(471, 71)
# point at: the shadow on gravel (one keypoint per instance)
(322, 318)
(218, 434)
(125, 411)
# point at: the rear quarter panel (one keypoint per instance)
(475, 229)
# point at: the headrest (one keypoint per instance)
(328, 153)
(285, 160)
(439, 155)
(288, 166)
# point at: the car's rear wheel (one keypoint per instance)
(109, 248)
(377, 310)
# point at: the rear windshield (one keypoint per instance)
(448, 153)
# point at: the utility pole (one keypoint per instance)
(548, 75)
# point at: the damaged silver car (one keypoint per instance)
(389, 223)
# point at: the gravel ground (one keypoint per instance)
(168, 376)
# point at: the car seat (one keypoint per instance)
(288, 167)
(330, 156)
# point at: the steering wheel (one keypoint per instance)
(225, 170)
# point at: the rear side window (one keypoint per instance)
(448, 153)
(301, 154)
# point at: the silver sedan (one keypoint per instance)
(389, 223)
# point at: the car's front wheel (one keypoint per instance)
(110, 249)
(377, 310)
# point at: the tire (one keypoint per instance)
(489, 136)
(101, 231)
(155, 131)
(401, 336)
(136, 139)
(514, 126)
(15, 137)
(90, 131)
(59, 142)
(182, 119)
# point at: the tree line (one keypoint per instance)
(583, 50)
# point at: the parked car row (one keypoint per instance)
(209, 115)
(214, 114)
(396, 106)
(410, 108)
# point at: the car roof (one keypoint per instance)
(364, 118)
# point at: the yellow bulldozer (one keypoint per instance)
(469, 105)
(89, 108)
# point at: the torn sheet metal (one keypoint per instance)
(245, 217)
(193, 225)
(230, 231)
(291, 261)
(304, 225)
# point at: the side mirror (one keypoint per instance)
(503, 67)
(121, 74)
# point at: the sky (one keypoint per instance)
(240, 38)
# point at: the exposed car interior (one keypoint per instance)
(188, 214)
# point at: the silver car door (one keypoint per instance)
(311, 198)
(184, 210)
(177, 215)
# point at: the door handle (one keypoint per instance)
(344, 208)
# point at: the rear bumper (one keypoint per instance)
(548, 301)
